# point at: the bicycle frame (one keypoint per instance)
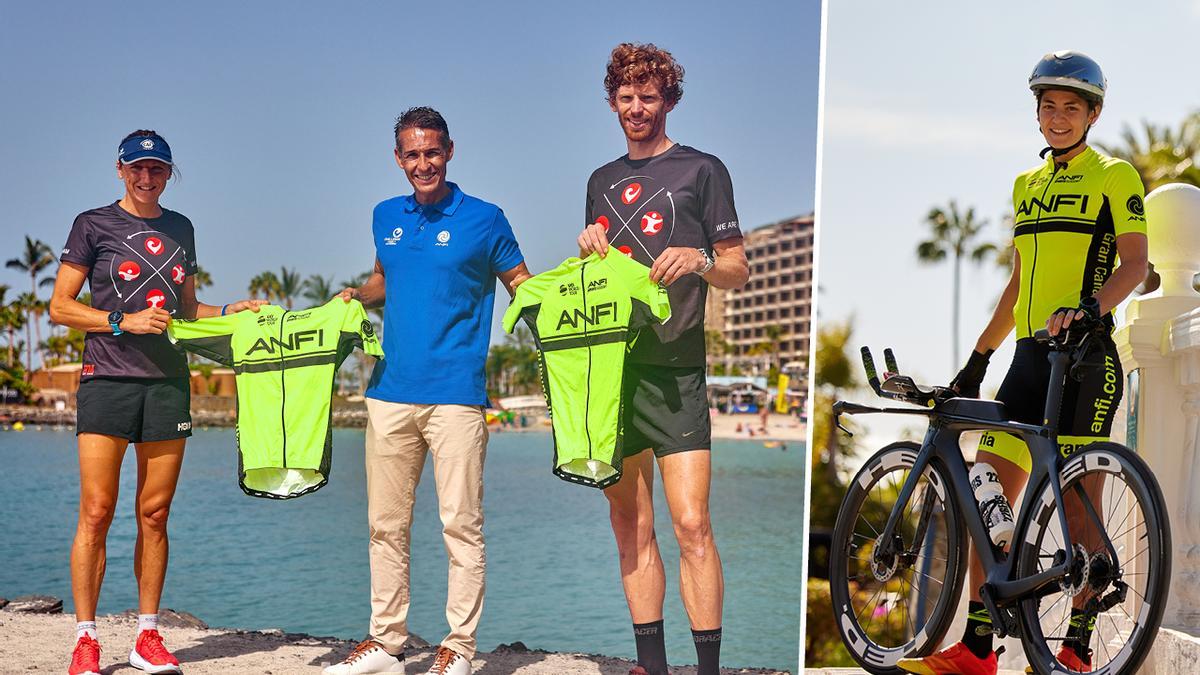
(941, 445)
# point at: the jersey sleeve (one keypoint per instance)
(1125, 193)
(720, 219)
(528, 296)
(80, 247)
(190, 266)
(505, 252)
(211, 338)
(358, 331)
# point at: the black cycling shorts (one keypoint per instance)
(1087, 406)
(136, 409)
(665, 409)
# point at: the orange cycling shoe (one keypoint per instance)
(953, 659)
(1069, 659)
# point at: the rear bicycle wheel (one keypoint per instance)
(887, 607)
(1112, 601)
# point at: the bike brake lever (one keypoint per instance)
(889, 360)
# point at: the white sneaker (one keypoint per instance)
(449, 662)
(367, 656)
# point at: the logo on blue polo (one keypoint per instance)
(443, 238)
(396, 234)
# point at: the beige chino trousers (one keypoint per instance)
(398, 436)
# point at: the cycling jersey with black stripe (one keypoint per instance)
(583, 314)
(1067, 220)
(284, 362)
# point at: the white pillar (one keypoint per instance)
(1165, 348)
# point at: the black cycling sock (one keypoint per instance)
(1079, 634)
(977, 618)
(651, 647)
(708, 651)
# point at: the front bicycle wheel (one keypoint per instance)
(890, 606)
(1105, 614)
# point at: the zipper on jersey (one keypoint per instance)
(1033, 266)
(282, 390)
(588, 385)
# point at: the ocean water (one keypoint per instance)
(301, 565)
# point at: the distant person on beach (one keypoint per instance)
(670, 207)
(438, 252)
(139, 260)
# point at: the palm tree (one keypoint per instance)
(1161, 154)
(36, 257)
(27, 303)
(953, 234)
(267, 284)
(289, 285)
(317, 289)
(202, 278)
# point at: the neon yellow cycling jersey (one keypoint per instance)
(583, 314)
(1068, 218)
(284, 362)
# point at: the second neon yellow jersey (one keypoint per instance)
(584, 314)
(1068, 218)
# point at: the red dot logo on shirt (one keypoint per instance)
(155, 299)
(603, 221)
(177, 274)
(129, 270)
(652, 223)
(154, 245)
(626, 250)
(631, 193)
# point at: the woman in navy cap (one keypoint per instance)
(139, 260)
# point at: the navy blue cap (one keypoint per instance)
(144, 147)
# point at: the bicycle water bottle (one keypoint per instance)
(993, 506)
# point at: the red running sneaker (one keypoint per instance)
(953, 659)
(85, 660)
(150, 655)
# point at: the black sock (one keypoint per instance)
(977, 617)
(651, 648)
(708, 651)
(1079, 634)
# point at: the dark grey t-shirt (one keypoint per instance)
(682, 197)
(134, 263)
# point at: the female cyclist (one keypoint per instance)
(139, 260)
(1075, 215)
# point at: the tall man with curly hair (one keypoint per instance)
(670, 207)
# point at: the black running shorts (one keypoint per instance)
(665, 409)
(136, 409)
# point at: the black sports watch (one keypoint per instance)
(114, 321)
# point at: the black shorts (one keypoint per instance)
(1087, 406)
(136, 409)
(665, 409)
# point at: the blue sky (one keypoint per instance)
(928, 102)
(280, 114)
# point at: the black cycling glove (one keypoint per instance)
(967, 381)
(1089, 306)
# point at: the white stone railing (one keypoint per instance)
(1160, 340)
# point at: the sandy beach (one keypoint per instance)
(32, 642)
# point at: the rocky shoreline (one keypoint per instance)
(36, 634)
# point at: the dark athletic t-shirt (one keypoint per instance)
(682, 197)
(135, 263)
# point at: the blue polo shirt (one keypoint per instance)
(440, 263)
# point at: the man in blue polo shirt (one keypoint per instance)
(438, 253)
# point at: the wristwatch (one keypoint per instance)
(708, 262)
(114, 321)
